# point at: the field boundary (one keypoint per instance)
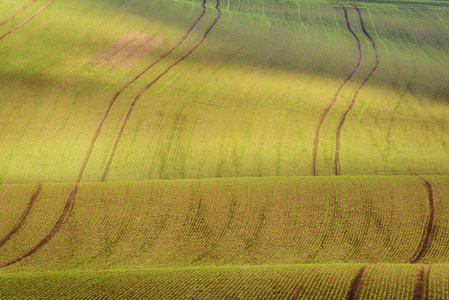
(137, 97)
(334, 99)
(27, 20)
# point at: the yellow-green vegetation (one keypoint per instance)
(235, 149)
(294, 235)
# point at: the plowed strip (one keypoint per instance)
(65, 214)
(24, 217)
(357, 284)
(332, 103)
(429, 233)
(136, 98)
(17, 13)
(100, 126)
(343, 118)
(27, 20)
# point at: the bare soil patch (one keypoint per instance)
(129, 50)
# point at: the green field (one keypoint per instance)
(224, 149)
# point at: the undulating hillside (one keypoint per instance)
(224, 149)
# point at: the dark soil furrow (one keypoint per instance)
(343, 118)
(356, 286)
(217, 241)
(24, 218)
(64, 216)
(429, 233)
(17, 13)
(334, 99)
(27, 20)
(137, 97)
(421, 290)
(111, 103)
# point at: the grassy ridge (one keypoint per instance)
(385, 281)
(208, 116)
(288, 237)
(249, 221)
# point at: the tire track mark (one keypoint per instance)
(215, 243)
(17, 13)
(421, 290)
(64, 216)
(343, 118)
(429, 233)
(72, 195)
(114, 99)
(334, 99)
(356, 286)
(137, 97)
(25, 216)
(27, 20)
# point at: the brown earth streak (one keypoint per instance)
(64, 216)
(111, 103)
(27, 20)
(332, 103)
(136, 98)
(355, 289)
(129, 50)
(429, 233)
(17, 13)
(343, 118)
(214, 244)
(421, 290)
(25, 216)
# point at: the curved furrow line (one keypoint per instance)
(111, 103)
(64, 216)
(356, 286)
(334, 99)
(343, 118)
(25, 216)
(27, 20)
(17, 13)
(137, 97)
(429, 233)
(217, 241)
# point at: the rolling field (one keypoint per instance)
(224, 149)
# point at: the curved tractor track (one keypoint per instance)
(429, 233)
(17, 13)
(137, 97)
(72, 195)
(355, 289)
(64, 216)
(421, 290)
(24, 218)
(334, 99)
(114, 99)
(343, 118)
(27, 20)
